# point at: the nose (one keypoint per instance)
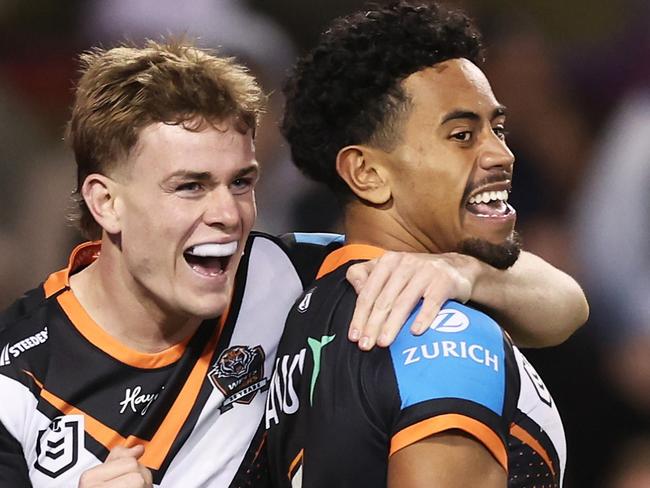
(495, 154)
(221, 209)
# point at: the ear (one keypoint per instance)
(99, 193)
(362, 168)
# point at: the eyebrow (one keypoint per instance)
(248, 170)
(206, 175)
(499, 111)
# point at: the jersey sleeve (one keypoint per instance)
(21, 307)
(13, 469)
(453, 377)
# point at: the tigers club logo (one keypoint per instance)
(239, 375)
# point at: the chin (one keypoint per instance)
(209, 309)
(500, 256)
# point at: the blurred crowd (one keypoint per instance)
(575, 76)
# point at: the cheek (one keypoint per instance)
(247, 212)
(162, 228)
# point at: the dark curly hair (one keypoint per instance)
(347, 90)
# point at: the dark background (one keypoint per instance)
(575, 76)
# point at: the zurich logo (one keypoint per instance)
(450, 320)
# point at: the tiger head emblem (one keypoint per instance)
(235, 362)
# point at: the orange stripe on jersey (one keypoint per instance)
(55, 282)
(97, 430)
(260, 447)
(533, 443)
(40, 385)
(85, 254)
(435, 425)
(82, 255)
(295, 463)
(348, 253)
(100, 432)
(158, 447)
(88, 328)
(180, 410)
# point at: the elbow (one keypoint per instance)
(576, 317)
(580, 311)
(583, 314)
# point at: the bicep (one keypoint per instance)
(447, 460)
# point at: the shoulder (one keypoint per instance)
(27, 316)
(308, 250)
(462, 355)
(23, 307)
(24, 342)
(266, 258)
(327, 297)
(455, 323)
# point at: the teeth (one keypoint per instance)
(488, 196)
(213, 250)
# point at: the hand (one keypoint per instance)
(391, 286)
(120, 470)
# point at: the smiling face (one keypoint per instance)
(185, 203)
(451, 169)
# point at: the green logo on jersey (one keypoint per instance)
(316, 346)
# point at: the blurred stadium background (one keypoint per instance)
(575, 75)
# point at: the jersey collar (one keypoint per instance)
(81, 256)
(348, 253)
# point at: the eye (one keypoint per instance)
(500, 132)
(242, 185)
(462, 136)
(189, 187)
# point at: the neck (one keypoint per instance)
(110, 296)
(382, 227)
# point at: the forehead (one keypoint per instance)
(195, 134)
(451, 85)
(196, 147)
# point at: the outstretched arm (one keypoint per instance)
(538, 304)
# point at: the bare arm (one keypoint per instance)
(538, 304)
(446, 460)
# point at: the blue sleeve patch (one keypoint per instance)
(460, 356)
(321, 239)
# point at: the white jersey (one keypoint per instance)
(69, 392)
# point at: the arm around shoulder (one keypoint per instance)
(446, 460)
(538, 304)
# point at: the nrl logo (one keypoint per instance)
(239, 375)
(57, 447)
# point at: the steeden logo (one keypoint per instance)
(13, 351)
(305, 302)
(4, 356)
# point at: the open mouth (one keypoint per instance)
(210, 259)
(489, 203)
